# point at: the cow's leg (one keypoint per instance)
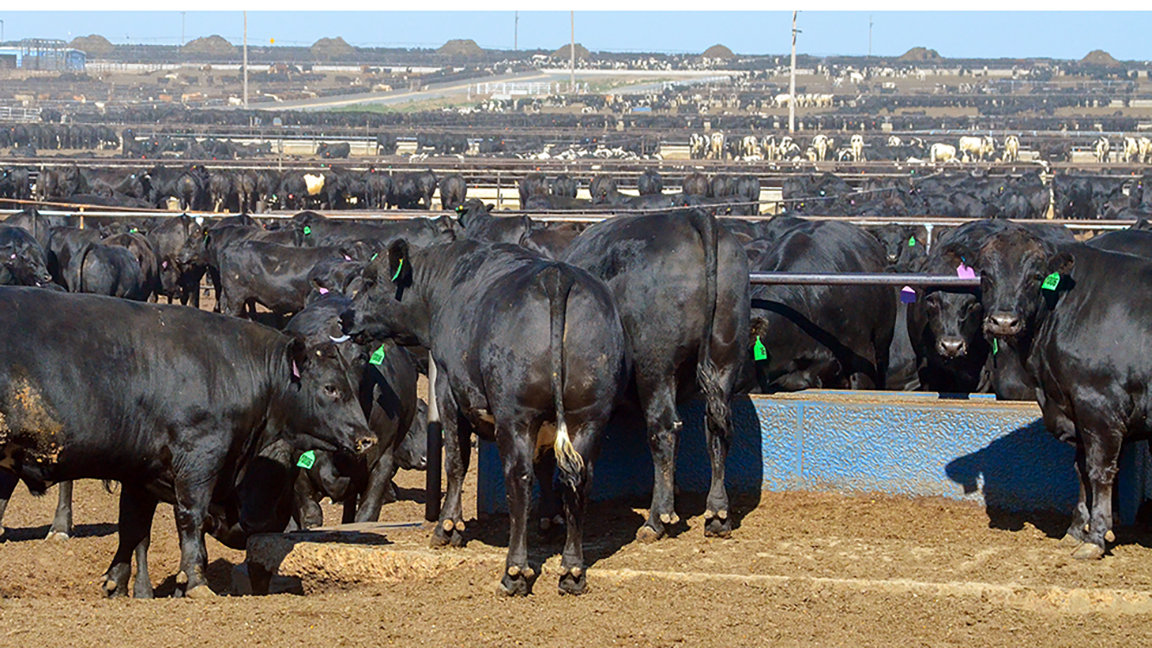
(515, 445)
(8, 483)
(717, 434)
(61, 528)
(137, 507)
(573, 573)
(305, 511)
(457, 451)
(663, 426)
(193, 494)
(1102, 457)
(142, 587)
(372, 500)
(549, 508)
(1076, 534)
(348, 515)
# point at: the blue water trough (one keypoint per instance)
(973, 448)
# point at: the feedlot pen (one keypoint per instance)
(806, 565)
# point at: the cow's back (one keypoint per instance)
(102, 386)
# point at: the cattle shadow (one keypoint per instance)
(27, 534)
(219, 578)
(1028, 477)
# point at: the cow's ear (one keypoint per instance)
(399, 265)
(297, 355)
(489, 206)
(1062, 262)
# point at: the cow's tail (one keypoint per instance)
(558, 283)
(707, 374)
(75, 277)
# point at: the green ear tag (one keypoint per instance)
(758, 350)
(995, 346)
(399, 267)
(307, 460)
(1051, 281)
(307, 231)
(374, 257)
(377, 356)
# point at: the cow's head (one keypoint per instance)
(951, 317)
(1014, 265)
(382, 308)
(322, 409)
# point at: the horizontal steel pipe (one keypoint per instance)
(861, 279)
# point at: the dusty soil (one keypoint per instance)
(801, 568)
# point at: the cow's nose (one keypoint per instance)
(364, 443)
(1001, 323)
(952, 347)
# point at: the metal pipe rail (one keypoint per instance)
(860, 279)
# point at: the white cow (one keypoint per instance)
(1144, 146)
(697, 146)
(1131, 150)
(716, 147)
(1011, 149)
(977, 147)
(820, 147)
(857, 144)
(941, 153)
(769, 146)
(1101, 149)
(894, 141)
(750, 147)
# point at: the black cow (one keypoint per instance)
(274, 276)
(650, 183)
(494, 318)
(168, 239)
(905, 246)
(316, 230)
(329, 151)
(479, 224)
(108, 270)
(1077, 318)
(168, 401)
(22, 261)
(415, 190)
(822, 336)
(387, 393)
(533, 184)
(695, 184)
(564, 186)
(681, 284)
(453, 191)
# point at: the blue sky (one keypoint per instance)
(1056, 34)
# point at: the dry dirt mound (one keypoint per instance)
(93, 45)
(461, 47)
(1100, 57)
(565, 52)
(331, 48)
(921, 54)
(211, 45)
(718, 52)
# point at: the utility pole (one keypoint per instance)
(572, 52)
(1, 31)
(869, 35)
(245, 60)
(516, 32)
(792, 82)
(182, 15)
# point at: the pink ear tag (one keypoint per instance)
(323, 291)
(965, 272)
(347, 258)
(907, 295)
(164, 265)
(295, 369)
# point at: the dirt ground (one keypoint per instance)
(800, 569)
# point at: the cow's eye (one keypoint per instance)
(332, 390)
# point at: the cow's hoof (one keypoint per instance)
(552, 530)
(56, 535)
(718, 525)
(649, 533)
(200, 592)
(1088, 551)
(516, 582)
(112, 589)
(141, 591)
(574, 581)
(445, 536)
